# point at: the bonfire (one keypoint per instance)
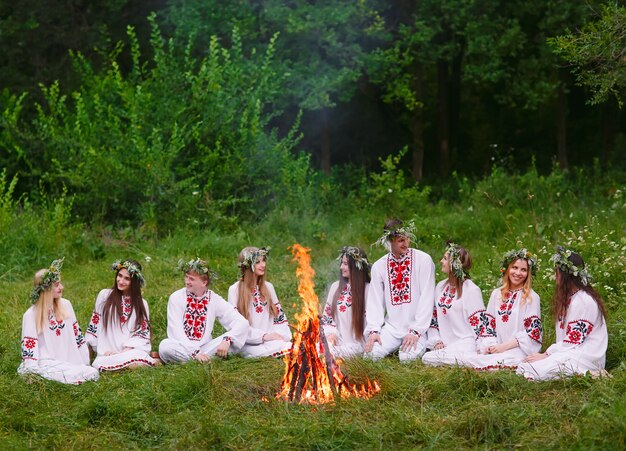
(312, 375)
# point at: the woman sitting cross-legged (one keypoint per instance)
(581, 333)
(256, 300)
(515, 306)
(53, 345)
(343, 319)
(459, 321)
(119, 330)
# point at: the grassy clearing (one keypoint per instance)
(220, 405)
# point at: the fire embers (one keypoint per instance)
(311, 373)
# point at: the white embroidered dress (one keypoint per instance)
(514, 321)
(400, 302)
(461, 324)
(262, 323)
(119, 334)
(581, 342)
(190, 322)
(59, 352)
(341, 324)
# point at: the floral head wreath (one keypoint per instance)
(399, 230)
(132, 269)
(198, 266)
(561, 261)
(252, 258)
(50, 275)
(516, 254)
(454, 257)
(355, 254)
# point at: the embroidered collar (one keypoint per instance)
(401, 258)
(197, 298)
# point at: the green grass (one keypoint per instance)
(221, 405)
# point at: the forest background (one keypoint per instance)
(161, 130)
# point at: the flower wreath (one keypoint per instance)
(132, 268)
(198, 266)
(516, 254)
(399, 230)
(454, 258)
(51, 275)
(561, 261)
(252, 258)
(355, 254)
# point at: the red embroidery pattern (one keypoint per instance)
(257, 302)
(126, 309)
(28, 348)
(483, 323)
(399, 273)
(125, 364)
(433, 321)
(445, 301)
(281, 318)
(78, 334)
(327, 319)
(143, 331)
(92, 329)
(195, 316)
(534, 328)
(577, 331)
(344, 301)
(54, 325)
(507, 305)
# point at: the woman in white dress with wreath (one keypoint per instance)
(256, 300)
(119, 330)
(343, 319)
(581, 333)
(53, 345)
(516, 310)
(459, 322)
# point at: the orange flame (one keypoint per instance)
(312, 376)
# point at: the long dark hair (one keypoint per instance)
(358, 278)
(112, 310)
(567, 284)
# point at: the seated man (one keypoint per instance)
(191, 313)
(401, 296)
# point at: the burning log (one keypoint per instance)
(307, 379)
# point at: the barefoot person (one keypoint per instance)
(53, 345)
(401, 296)
(256, 300)
(581, 333)
(344, 313)
(119, 330)
(191, 314)
(459, 321)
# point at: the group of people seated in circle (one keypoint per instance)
(373, 310)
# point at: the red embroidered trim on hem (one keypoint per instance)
(124, 365)
(496, 367)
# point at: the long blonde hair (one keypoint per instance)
(526, 288)
(246, 287)
(45, 303)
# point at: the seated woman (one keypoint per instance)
(256, 301)
(119, 330)
(581, 333)
(515, 307)
(459, 321)
(53, 345)
(344, 313)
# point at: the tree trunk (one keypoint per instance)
(562, 128)
(444, 117)
(325, 149)
(417, 129)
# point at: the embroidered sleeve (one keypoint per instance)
(29, 348)
(577, 331)
(414, 332)
(281, 318)
(78, 334)
(483, 323)
(534, 329)
(327, 319)
(92, 329)
(434, 324)
(143, 331)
